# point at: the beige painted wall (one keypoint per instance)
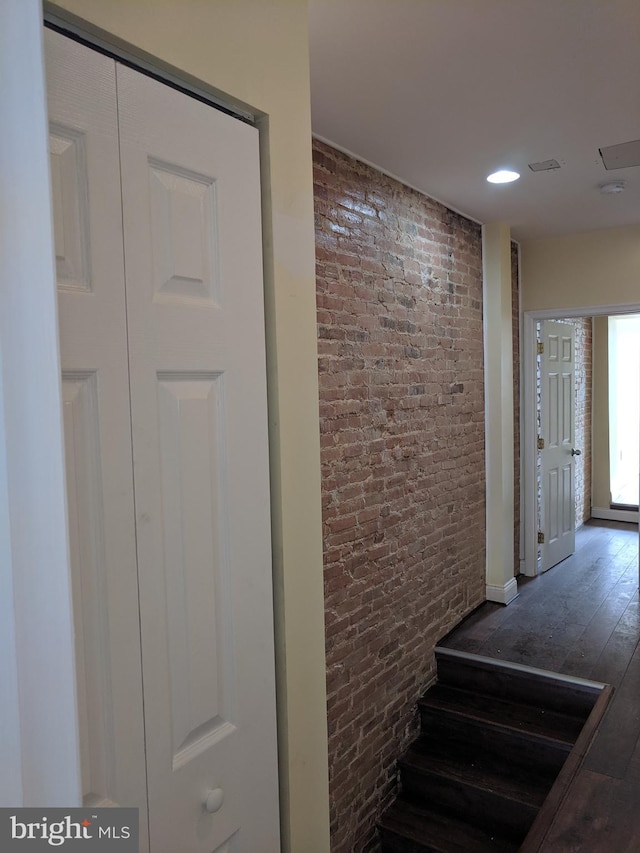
(582, 270)
(255, 52)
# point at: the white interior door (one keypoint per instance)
(191, 203)
(95, 386)
(180, 480)
(557, 432)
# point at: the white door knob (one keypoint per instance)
(213, 800)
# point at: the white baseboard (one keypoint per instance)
(523, 569)
(502, 594)
(615, 514)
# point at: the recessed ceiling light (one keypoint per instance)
(504, 176)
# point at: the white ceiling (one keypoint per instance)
(440, 93)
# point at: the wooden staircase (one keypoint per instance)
(496, 740)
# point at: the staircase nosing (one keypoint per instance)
(496, 665)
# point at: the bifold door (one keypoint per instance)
(158, 253)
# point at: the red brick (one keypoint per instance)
(399, 293)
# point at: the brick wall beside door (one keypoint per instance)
(584, 343)
(399, 294)
(515, 320)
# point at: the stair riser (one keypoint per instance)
(393, 843)
(518, 687)
(481, 807)
(531, 750)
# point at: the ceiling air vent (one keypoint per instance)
(544, 166)
(621, 156)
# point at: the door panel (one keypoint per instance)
(93, 344)
(70, 198)
(557, 432)
(191, 415)
(87, 549)
(191, 203)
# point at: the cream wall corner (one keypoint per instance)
(255, 53)
(501, 585)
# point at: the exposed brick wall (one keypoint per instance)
(399, 291)
(584, 343)
(515, 313)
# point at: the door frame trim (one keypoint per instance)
(528, 467)
(40, 739)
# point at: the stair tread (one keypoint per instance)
(518, 717)
(433, 831)
(517, 682)
(478, 768)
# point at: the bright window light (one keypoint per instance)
(504, 176)
(624, 408)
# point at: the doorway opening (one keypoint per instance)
(564, 418)
(600, 508)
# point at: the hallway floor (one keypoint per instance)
(582, 618)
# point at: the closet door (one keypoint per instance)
(87, 208)
(191, 204)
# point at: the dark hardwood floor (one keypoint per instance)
(582, 618)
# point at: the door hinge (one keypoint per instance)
(540, 347)
(540, 537)
(541, 444)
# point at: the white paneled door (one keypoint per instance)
(557, 407)
(166, 452)
(87, 209)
